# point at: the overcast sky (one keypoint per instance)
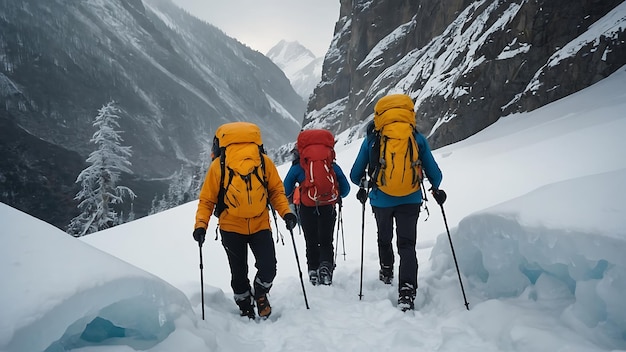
(262, 24)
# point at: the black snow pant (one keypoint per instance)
(405, 216)
(262, 246)
(318, 224)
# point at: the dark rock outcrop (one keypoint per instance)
(465, 63)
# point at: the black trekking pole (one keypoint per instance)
(336, 247)
(343, 241)
(295, 251)
(362, 247)
(201, 279)
(280, 235)
(297, 207)
(445, 221)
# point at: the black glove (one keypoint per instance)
(439, 195)
(290, 221)
(198, 235)
(361, 195)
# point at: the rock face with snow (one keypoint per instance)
(300, 65)
(465, 63)
(175, 78)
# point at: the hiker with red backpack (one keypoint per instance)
(240, 185)
(322, 184)
(394, 155)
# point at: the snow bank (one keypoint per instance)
(97, 300)
(563, 245)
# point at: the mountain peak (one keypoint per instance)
(299, 64)
(289, 51)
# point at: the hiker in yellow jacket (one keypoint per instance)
(240, 166)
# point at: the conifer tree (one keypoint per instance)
(185, 184)
(99, 189)
(205, 162)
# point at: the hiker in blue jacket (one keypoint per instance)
(318, 221)
(403, 209)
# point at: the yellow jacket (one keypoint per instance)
(229, 222)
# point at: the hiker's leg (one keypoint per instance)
(406, 228)
(262, 246)
(308, 219)
(326, 225)
(236, 247)
(326, 228)
(384, 224)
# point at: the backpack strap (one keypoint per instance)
(263, 180)
(265, 184)
(221, 205)
(415, 160)
(373, 167)
(382, 162)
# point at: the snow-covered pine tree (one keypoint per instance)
(201, 170)
(184, 184)
(99, 189)
(180, 190)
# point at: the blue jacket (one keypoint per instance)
(296, 174)
(382, 200)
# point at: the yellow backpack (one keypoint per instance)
(243, 187)
(394, 161)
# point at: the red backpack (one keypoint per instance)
(317, 154)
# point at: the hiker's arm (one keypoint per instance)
(276, 190)
(344, 185)
(431, 169)
(208, 195)
(358, 168)
(291, 179)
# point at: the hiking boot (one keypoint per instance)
(246, 306)
(326, 275)
(406, 297)
(263, 306)
(385, 274)
(313, 277)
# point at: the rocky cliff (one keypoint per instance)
(465, 63)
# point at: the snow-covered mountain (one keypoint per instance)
(175, 78)
(300, 65)
(465, 63)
